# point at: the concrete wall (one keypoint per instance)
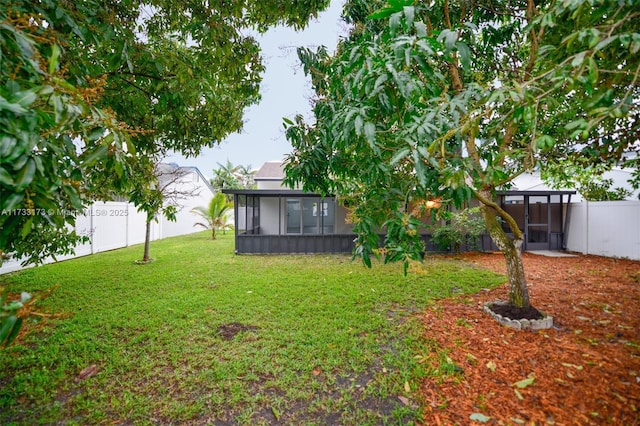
(605, 228)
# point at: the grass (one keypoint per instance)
(320, 339)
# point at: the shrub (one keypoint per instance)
(462, 228)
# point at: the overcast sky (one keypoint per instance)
(285, 92)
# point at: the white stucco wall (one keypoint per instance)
(269, 215)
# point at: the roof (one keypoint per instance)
(271, 170)
(271, 192)
(536, 192)
(167, 168)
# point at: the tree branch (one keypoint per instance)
(513, 225)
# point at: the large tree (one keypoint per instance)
(89, 88)
(454, 99)
(93, 91)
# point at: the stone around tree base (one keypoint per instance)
(519, 324)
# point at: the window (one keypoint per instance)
(248, 214)
(323, 210)
(310, 216)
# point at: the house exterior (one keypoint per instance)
(276, 219)
(187, 188)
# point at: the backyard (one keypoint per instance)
(202, 336)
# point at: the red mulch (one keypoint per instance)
(586, 369)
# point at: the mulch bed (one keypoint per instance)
(584, 371)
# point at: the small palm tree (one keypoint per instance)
(215, 215)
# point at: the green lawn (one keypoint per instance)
(322, 340)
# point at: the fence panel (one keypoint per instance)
(109, 225)
(605, 228)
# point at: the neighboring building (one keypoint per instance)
(187, 188)
(275, 219)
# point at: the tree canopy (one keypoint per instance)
(90, 88)
(454, 100)
(230, 176)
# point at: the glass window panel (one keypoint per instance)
(242, 214)
(329, 216)
(293, 216)
(256, 214)
(249, 215)
(309, 220)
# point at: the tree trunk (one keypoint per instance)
(147, 241)
(512, 251)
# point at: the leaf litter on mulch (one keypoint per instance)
(584, 371)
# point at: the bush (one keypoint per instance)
(462, 228)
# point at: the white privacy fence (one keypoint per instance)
(113, 225)
(605, 228)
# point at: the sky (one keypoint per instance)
(285, 91)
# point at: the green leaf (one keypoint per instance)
(7, 144)
(525, 382)
(634, 47)
(370, 132)
(54, 59)
(394, 21)
(95, 134)
(400, 155)
(27, 227)
(578, 59)
(419, 168)
(465, 55)
(409, 14)
(14, 332)
(576, 124)
(5, 177)
(359, 124)
(544, 141)
(25, 175)
(12, 201)
(421, 28)
(5, 328)
(97, 154)
(593, 70)
(479, 417)
(25, 98)
(449, 37)
(25, 44)
(382, 13)
(13, 107)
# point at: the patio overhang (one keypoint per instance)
(272, 192)
(536, 192)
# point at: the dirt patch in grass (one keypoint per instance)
(584, 371)
(229, 331)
